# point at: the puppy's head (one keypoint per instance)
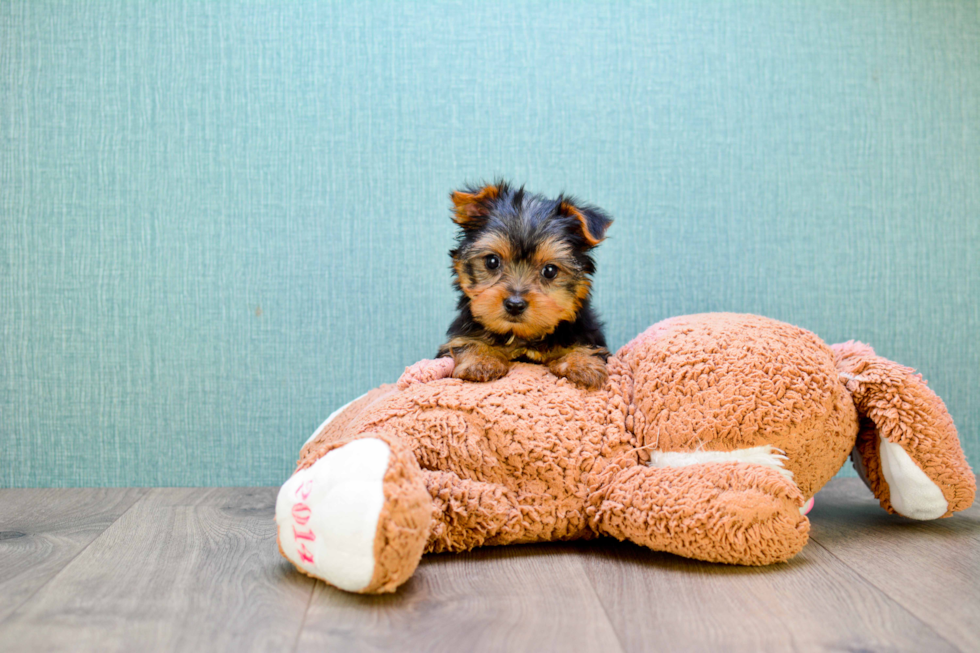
(523, 260)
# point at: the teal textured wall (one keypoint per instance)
(221, 220)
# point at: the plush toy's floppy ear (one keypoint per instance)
(592, 221)
(471, 206)
(907, 451)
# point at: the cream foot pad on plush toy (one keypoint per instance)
(336, 541)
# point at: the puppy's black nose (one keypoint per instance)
(515, 305)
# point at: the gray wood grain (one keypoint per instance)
(183, 569)
(198, 569)
(517, 598)
(813, 602)
(42, 530)
(932, 569)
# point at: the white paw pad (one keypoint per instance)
(328, 513)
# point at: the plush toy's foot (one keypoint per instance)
(358, 517)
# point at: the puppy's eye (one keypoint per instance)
(492, 262)
(549, 271)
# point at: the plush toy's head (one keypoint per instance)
(721, 382)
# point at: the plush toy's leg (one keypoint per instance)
(467, 514)
(907, 450)
(731, 512)
(359, 517)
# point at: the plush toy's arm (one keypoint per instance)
(732, 512)
(425, 371)
(908, 451)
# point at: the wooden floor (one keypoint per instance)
(198, 570)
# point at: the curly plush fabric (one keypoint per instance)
(708, 437)
(741, 514)
(899, 407)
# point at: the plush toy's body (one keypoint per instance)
(710, 434)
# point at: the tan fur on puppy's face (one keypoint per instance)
(550, 301)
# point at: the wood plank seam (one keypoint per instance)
(605, 609)
(142, 494)
(302, 623)
(885, 594)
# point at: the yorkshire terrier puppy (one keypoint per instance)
(522, 268)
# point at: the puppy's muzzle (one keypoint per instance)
(515, 305)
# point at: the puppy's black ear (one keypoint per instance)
(591, 221)
(471, 206)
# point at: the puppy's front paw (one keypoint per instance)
(471, 366)
(581, 368)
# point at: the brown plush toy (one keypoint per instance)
(708, 438)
